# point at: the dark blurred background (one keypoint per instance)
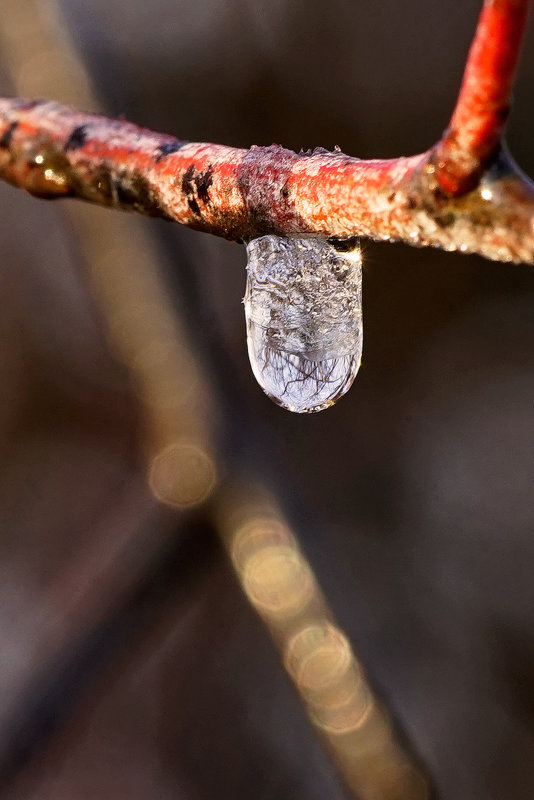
(130, 663)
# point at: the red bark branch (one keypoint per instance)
(53, 151)
(475, 130)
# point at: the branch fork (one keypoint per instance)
(465, 193)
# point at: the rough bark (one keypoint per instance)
(465, 193)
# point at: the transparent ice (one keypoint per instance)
(304, 319)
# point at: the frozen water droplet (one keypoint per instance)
(304, 319)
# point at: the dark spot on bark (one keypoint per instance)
(188, 188)
(130, 191)
(243, 182)
(195, 186)
(167, 149)
(77, 138)
(187, 180)
(203, 181)
(5, 141)
(134, 191)
(193, 205)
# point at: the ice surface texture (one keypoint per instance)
(304, 319)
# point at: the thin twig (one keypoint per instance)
(475, 131)
(464, 194)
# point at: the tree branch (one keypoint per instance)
(475, 130)
(464, 194)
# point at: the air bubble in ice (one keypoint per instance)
(304, 319)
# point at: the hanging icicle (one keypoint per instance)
(304, 319)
